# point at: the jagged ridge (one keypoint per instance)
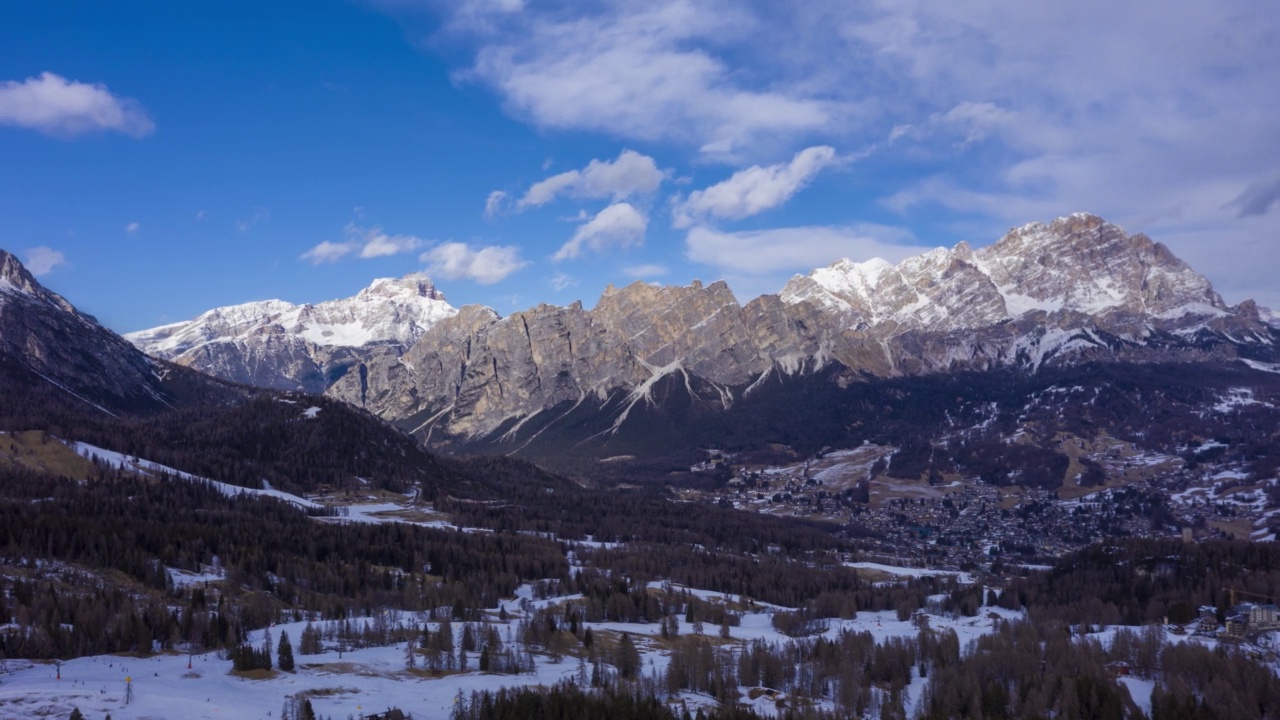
(1074, 290)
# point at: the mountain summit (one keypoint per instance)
(1078, 263)
(46, 340)
(277, 344)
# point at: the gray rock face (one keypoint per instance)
(44, 333)
(1075, 289)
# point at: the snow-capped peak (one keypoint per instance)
(1077, 263)
(389, 310)
(413, 285)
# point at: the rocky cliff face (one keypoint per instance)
(46, 336)
(1072, 290)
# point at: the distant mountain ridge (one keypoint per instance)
(1075, 290)
(1076, 264)
(277, 344)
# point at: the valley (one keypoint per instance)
(975, 479)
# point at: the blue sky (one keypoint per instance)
(159, 159)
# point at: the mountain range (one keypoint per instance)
(1075, 290)
(850, 353)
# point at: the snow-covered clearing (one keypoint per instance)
(961, 577)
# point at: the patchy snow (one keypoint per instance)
(1018, 304)
(311, 412)
(1201, 309)
(1236, 398)
(183, 578)
(8, 288)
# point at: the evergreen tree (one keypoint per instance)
(284, 653)
(310, 644)
(266, 649)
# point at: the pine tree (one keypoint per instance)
(284, 653)
(266, 650)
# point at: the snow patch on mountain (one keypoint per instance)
(8, 288)
(1269, 316)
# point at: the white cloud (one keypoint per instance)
(971, 121)
(620, 224)
(561, 281)
(755, 189)
(379, 244)
(783, 251)
(1157, 115)
(486, 265)
(493, 203)
(326, 252)
(630, 174)
(646, 270)
(199, 215)
(43, 260)
(638, 70)
(364, 243)
(55, 106)
(132, 228)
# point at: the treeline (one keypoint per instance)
(818, 582)
(266, 438)
(1138, 581)
(533, 500)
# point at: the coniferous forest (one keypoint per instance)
(88, 559)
